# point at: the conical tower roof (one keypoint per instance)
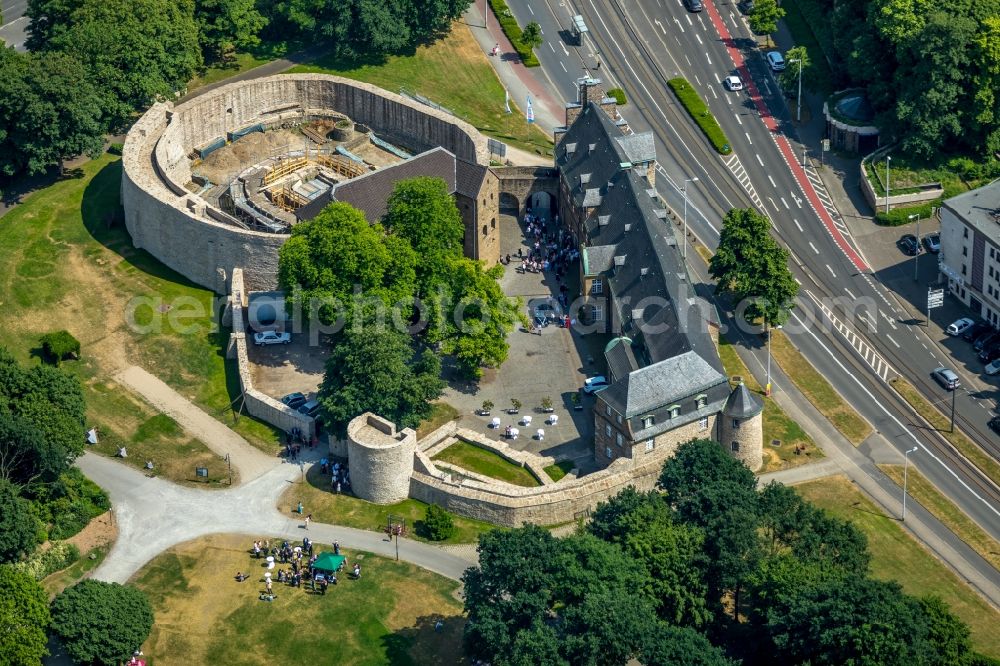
(742, 404)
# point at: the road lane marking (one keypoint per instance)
(679, 26)
(813, 247)
(784, 202)
(774, 204)
(714, 94)
(831, 271)
(759, 160)
(773, 184)
(698, 37)
(709, 59)
(853, 297)
(738, 118)
(531, 10)
(690, 22)
(798, 225)
(892, 341)
(748, 138)
(552, 47)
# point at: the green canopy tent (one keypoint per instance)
(328, 563)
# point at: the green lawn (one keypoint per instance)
(67, 262)
(387, 617)
(478, 460)
(795, 446)
(328, 507)
(945, 510)
(560, 469)
(897, 556)
(260, 55)
(454, 73)
(441, 413)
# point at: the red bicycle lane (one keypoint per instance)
(782, 142)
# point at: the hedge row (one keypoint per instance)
(900, 216)
(513, 31)
(694, 104)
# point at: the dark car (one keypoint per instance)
(990, 352)
(294, 400)
(909, 245)
(932, 242)
(985, 339)
(746, 6)
(976, 330)
(994, 424)
(694, 5)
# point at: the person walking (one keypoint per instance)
(308, 518)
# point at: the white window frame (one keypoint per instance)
(619, 440)
(597, 286)
(650, 445)
(700, 401)
(675, 411)
(607, 429)
(597, 312)
(648, 421)
(703, 423)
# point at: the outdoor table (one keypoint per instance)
(526, 420)
(270, 559)
(270, 565)
(540, 434)
(495, 422)
(553, 419)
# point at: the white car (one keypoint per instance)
(776, 61)
(960, 326)
(272, 338)
(993, 367)
(733, 83)
(595, 384)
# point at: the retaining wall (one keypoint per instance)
(929, 192)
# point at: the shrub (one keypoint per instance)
(69, 503)
(513, 31)
(101, 623)
(438, 524)
(44, 563)
(619, 96)
(696, 106)
(60, 345)
(899, 216)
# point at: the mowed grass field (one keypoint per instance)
(475, 459)
(67, 262)
(204, 616)
(897, 556)
(455, 73)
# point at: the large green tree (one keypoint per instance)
(422, 211)
(342, 262)
(49, 111)
(17, 524)
(47, 20)
(764, 17)
(374, 368)
(751, 266)
(680, 646)
(133, 50)
(24, 619)
(226, 25)
(101, 623)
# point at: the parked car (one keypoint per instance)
(694, 5)
(932, 242)
(294, 400)
(776, 61)
(993, 367)
(746, 6)
(994, 424)
(946, 378)
(272, 338)
(908, 244)
(959, 326)
(989, 352)
(595, 384)
(985, 339)
(310, 408)
(976, 330)
(733, 83)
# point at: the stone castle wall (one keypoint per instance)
(749, 437)
(381, 459)
(182, 231)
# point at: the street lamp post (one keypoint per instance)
(906, 464)
(887, 160)
(798, 103)
(916, 255)
(767, 389)
(684, 247)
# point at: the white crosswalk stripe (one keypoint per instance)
(871, 357)
(733, 164)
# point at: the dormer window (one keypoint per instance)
(700, 401)
(675, 411)
(647, 421)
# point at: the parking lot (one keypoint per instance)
(282, 369)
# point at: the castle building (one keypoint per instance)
(667, 383)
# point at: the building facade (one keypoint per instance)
(970, 250)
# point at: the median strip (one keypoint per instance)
(513, 31)
(699, 111)
(940, 422)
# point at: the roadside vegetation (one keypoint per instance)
(922, 490)
(701, 114)
(898, 557)
(967, 447)
(510, 27)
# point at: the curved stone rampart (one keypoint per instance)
(381, 459)
(180, 228)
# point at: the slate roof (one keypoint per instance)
(621, 360)
(639, 148)
(742, 404)
(468, 177)
(598, 259)
(370, 192)
(667, 381)
(651, 296)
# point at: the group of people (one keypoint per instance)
(548, 250)
(340, 476)
(300, 572)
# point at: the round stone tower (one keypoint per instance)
(742, 428)
(380, 459)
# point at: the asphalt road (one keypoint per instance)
(13, 22)
(640, 45)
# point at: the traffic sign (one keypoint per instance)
(826, 144)
(935, 298)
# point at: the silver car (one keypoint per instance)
(946, 378)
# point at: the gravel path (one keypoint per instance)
(249, 462)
